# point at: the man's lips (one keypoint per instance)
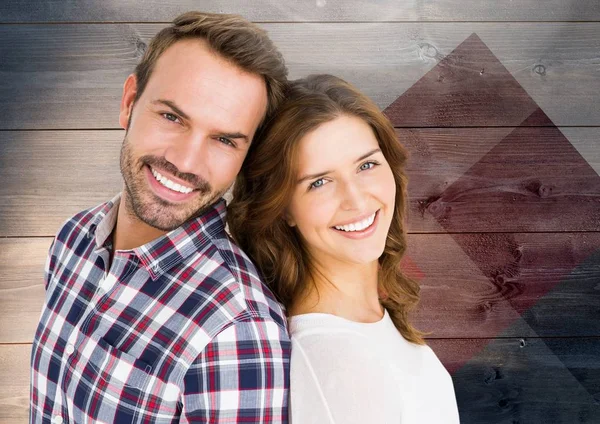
(166, 193)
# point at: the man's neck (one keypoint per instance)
(129, 231)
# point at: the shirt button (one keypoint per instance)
(70, 349)
(57, 419)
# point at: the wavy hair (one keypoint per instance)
(264, 188)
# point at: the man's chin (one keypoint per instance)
(165, 216)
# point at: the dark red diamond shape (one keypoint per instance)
(469, 87)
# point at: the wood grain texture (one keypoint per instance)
(552, 290)
(50, 175)
(71, 76)
(14, 383)
(303, 10)
(506, 284)
(510, 380)
(21, 287)
(529, 380)
(487, 179)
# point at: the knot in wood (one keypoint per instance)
(539, 69)
(544, 191)
(427, 50)
(140, 47)
(491, 375)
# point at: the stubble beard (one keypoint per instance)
(144, 205)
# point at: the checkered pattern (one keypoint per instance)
(178, 330)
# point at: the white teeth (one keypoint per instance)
(170, 184)
(357, 226)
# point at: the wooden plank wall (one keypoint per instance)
(497, 102)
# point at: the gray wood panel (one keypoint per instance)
(50, 175)
(14, 383)
(556, 277)
(303, 10)
(71, 76)
(21, 287)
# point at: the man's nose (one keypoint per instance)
(188, 153)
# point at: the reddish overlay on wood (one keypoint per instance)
(539, 176)
(469, 87)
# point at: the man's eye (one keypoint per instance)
(225, 140)
(171, 117)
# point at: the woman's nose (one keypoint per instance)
(353, 197)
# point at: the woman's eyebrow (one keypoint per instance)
(368, 154)
(320, 174)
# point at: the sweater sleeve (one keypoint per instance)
(334, 382)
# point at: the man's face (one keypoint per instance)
(188, 133)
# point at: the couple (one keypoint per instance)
(154, 315)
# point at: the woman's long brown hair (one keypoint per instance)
(265, 185)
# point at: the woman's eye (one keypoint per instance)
(367, 165)
(171, 117)
(319, 183)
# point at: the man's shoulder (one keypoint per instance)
(82, 222)
(243, 276)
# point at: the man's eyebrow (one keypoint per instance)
(177, 110)
(173, 106)
(320, 174)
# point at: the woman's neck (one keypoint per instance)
(348, 291)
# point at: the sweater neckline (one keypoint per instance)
(323, 317)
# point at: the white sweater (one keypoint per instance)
(347, 372)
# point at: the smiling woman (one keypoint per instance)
(320, 207)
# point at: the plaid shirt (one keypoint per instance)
(180, 329)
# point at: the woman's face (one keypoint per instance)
(344, 198)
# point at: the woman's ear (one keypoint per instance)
(288, 219)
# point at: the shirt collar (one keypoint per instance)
(161, 254)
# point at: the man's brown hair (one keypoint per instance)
(233, 38)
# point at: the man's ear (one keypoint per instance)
(129, 93)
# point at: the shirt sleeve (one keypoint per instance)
(241, 376)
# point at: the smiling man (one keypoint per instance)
(151, 313)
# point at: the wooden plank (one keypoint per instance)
(503, 179)
(506, 284)
(49, 176)
(524, 380)
(14, 383)
(553, 289)
(55, 174)
(307, 10)
(21, 287)
(587, 142)
(71, 76)
(509, 380)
